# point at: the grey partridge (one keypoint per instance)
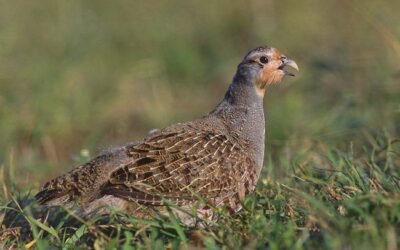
(217, 157)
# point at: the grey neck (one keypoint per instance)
(242, 111)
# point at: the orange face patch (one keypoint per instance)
(270, 72)
(268, 76)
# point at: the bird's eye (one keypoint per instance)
(263, 59)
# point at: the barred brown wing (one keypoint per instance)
(180, 166)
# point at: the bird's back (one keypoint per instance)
(178, 163)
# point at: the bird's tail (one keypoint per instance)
(23, 216)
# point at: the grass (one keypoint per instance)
(78, 77)
(328, 198)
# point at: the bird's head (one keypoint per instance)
(264, 66)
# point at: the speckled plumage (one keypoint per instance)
(217, 157)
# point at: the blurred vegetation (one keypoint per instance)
(79, 76)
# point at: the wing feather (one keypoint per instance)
(179, 166)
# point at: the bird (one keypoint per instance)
(216, 158)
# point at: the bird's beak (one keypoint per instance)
(290, 63)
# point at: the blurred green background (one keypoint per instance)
(77, 77)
